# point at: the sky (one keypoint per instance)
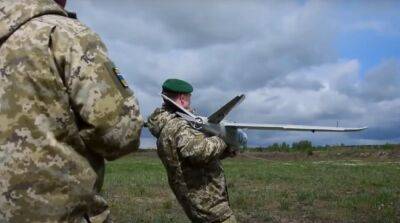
(297, 62)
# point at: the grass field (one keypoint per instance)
(268, 188)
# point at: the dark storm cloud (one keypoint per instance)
(244, 45)
(382, 82)
(280, 53)
(382, 132)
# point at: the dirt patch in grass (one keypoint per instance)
(328, 154)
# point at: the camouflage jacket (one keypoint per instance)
(193, 165)
(63, 110)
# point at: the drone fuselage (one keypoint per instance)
(232, 136)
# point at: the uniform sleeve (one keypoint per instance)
(107, 111)
(196, 146)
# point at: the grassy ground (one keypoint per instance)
(263, 189)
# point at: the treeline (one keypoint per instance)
(301, 146)
(308, 148)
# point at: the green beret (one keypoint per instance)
(178, 86)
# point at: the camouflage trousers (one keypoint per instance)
(231, 219)
(103, 217)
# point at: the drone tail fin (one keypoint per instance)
(219, 115)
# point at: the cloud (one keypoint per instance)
(370, 16)
(382, 82)
(280, 53)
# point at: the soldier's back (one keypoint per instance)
(197, 182)
(44, 175)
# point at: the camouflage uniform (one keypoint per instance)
(193, 165)
(63, 110)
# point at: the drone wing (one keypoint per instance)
(290, 127)
(224, 110)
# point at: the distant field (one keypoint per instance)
(330, 186)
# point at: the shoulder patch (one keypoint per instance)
(119, 81)
(120, 77)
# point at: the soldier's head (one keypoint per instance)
(61, 2)
(179, 91)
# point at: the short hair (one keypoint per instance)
(171, 94)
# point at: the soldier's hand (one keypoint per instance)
(230, 151)
(234, 153)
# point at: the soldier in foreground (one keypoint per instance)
(64, 109)
(192, 159)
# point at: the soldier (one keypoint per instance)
(64, 109)
(191, 158)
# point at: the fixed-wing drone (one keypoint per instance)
(232, 132)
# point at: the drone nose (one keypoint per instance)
(242, 137)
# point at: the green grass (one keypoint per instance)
(265, 190)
